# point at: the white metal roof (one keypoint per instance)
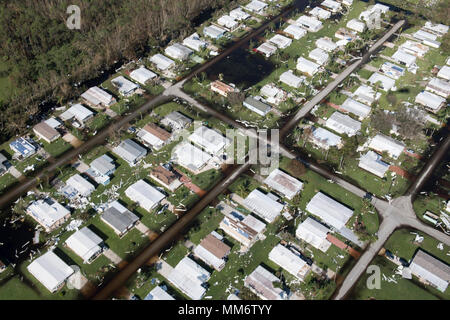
(97, 96)
(188, 276)
(50, 270)
(78, 112)
(386, 82)
(291, 79)
(178, 51)
(85, 243)
(261, 281)
(357, 108)
(356, 25)
(331, 4)
(144, 194)
(280, 41)
(283, 183)
(288, 260)
(130, 151)
(444, 73)
(437, 28)
(142, 75)
(383, 143)
(324, 137)
(210, 140)
(431, 269)
(256, 6)
(372, 162)
(329, 210)
(194, 42)
(47, 211)
(319, 55)
(439, 86)
(158, 293)
(310, 23)
(239, 14)
(208, 257)
(162, 62)
(53, 122)
(267, 48)
(430, 100)
(307, 66)
(326, 44)
(81, 185)
(320, 13)
(423, 35)
(414, 47)
(366, 94)
(262, 205)
(124, 85)
(190, 156)
(227, 22)
(313, 233)
(343, 124)
(295, 31)
(213, 31)
(403, 57)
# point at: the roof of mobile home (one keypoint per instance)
(208, 139)
(314, 233)
(343, 124)
(289, 261)
(188, 276)
(142, 75)
(372, 162)
(47, 211)
(329, 210)
(357, 108)
(190, 156)
(263, 205)
(158, 293)
(119, 217)
(283, 183)
(50, 270)
(85, 243)
(383, 143)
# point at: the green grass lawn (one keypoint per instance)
(57, 148)
(6, 181)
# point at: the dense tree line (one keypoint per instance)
(45, 59)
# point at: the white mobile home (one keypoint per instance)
(280, 41)
(145, 195)
(295, 32)
(372, 162)
(191, 157)
(404, 58)
(126, 87)
(357, 108)
(386, 82)
(162, 62)
(142, 75)
(382, 143)
(307, 66)
(309, 23)
(356, 25)
(326, 44)
(209, 140)
(86, 244)
(283, 183)
(263, 205)
(319, 55)
(325, 139)
(431, 101)
(343, 124)
(329, 210)
(289, 261)
(178, 51)
(313, 233)
(290, 79)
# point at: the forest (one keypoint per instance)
(41, 59)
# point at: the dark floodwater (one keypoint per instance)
(242, 67)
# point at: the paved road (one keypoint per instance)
(167, 237)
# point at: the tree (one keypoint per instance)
(236, 98)
(296, 168)
(382, 121)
